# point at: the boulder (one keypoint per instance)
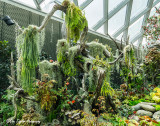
(136, 118)
(136, 107)
(148, 103)
(144, 113)
(156, 115)
(148, 108)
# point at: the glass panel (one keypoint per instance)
(81, 1)
(47, 6)
(27, 2)
(113, 3)
(94, 12)
(117, 21)
(40, 1)
(135, 43)
(61, 0)
(101, 29)
(135, 28)
(138, 6)
(120, 36)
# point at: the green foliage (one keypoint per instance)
(52, 70)
(96, 49)
(156, 95)
(106, 89)
(45, 94)
(135, 102)
(157, 107)
(31, 116)
(5, 53)
(75, 20)
(28, 51)
(125, 110)
(129, 60)
(152, 30)
(115, 120)
(151, 65)
(6, 111)
(67, 62)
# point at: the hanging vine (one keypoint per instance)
(75, 21)
(29, 45)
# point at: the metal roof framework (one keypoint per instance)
(103, 22)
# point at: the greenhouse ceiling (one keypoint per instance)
(118, 18)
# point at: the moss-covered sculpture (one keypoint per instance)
(88, 59)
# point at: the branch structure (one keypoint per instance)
(49, 15)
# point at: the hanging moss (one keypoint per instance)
(72, 53)
(28, 56)
(96, 48)
(117, 63)
(86, 64)
(64, 59)
(129, 56)
(62, 48)
(52, 69)
(75, 21)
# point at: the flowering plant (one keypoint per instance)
(152, 29)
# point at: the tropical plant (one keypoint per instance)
(152, 29)
(45, 93)
(156, 95)
(5, 54)
(75, 21)
(28, 49)
(157, 107)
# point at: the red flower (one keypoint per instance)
(134, 112)
(73, 101)
(51, 61)
(67, 83)
(92, 68)
(68, 102)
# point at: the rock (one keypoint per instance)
(148, 103)
(156, 115)
(136, 107)
(87, 107)
(136, 118)
(158, 120)
(148, 108)
(144, 113)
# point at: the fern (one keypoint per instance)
(106, 89)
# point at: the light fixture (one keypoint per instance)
(7, 20)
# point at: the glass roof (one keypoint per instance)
(121, 16)
(94, 9)
(114, 24)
